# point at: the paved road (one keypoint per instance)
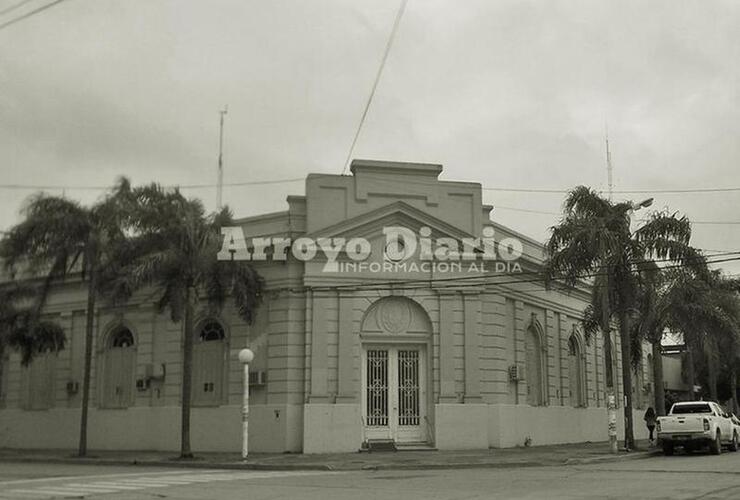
(680, 477)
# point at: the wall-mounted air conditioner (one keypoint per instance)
(516, 373)
(258, 378)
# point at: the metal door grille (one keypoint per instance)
(408, 387)
(377, 388)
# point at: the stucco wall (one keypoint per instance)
(212, 429)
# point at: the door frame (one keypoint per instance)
(393, 431)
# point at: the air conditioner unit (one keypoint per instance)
(72, 387)
(257, 378)
(154, 371)
(516, 373)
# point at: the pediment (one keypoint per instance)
(371, 224)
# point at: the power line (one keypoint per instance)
(620, 191)
(14, 6)
(299, 179)
(457, 282)
(32, 187)
(30, 13)
(525, 210)
(716, 222)
(542, 212)
(397, 22)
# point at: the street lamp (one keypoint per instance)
(245, 357)
(611, 401)
(643, 204)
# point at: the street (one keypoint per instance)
(679, 477)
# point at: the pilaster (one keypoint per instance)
(446, 348)
(472, 311)
(347, 390)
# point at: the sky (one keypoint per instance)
(511, 94)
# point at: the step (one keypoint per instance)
(379, 445)
(390, 445)
(420, 446)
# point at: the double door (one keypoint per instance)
(394, 393)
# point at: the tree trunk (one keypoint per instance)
(691, 371)
(187, 375)
(608, 361)
(624, 337)
(733, 385)
(608, 347)
(89, 335)
(711, 355)
(658, 390)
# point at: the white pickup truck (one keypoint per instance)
(697, 424)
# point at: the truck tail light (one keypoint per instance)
(706, 424)
(657, 425)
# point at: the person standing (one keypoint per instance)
(650, 419)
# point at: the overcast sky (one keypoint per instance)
(512, 94)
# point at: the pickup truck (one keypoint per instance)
(697, 424)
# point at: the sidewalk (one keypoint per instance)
(569, 454)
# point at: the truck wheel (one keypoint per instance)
(734, 443)
(716, 446)
(667, 448)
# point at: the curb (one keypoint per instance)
(195, 464)
(451, 466)
(180, 464)
(612, 458)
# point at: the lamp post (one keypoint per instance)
(643, 204)
(611, 402)
(245, 357)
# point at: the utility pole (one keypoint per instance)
(220, 184)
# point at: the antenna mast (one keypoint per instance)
(609, 168)
(220, 184)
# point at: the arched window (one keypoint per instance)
(533, 374)
(208, 363)
(575, 372)
(211, 331)
(118, 369)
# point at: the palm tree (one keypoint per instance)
(725, 329)
(682, 300)
(706, 309)
(21, 328)
(651, 323)
(173, 249)
(59, 237)
(594, 239)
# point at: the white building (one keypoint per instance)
(427, 356)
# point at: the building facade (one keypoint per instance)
(424, 353)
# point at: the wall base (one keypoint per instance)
(331, 428)
(211, 429)
(517, 425)
(461, 426)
